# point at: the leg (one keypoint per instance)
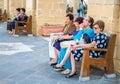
(51, 51)
(77, 55)
(73, 64)
(67, 64)
(68, 53)
(82, 11)
(73, 71)
(56, 54)
(12, 27)
(56, 51)
(51, 54)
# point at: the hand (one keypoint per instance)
(73, 47)
(55, 39)
(81, 26)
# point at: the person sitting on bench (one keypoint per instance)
(21, 17)
(76, 51)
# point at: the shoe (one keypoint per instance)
(66, 71)
(71, 75)
(10, 32)
(53, 64)
(59, 68)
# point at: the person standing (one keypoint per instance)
(81, 9)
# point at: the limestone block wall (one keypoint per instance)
(31, 10)
(13, 4)
(51, 12)
(1, 4)
(117, 58)
(108, 11)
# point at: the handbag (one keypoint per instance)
(65, 44)
(86, 38)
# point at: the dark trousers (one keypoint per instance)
(12, 25)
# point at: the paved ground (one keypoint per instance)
(24, 60)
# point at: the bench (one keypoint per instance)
(105, 61)
(27, 26)
(3, 17)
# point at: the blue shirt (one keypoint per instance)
(89, 31)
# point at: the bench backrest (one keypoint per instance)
(4, 16)
(111, 46)
(29, 21)
(110, 53)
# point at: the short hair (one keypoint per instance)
(91, 21)
(70, 16)
(18, 9)
(79, 20)
(82, 0)
(23, 9)
(101, 24)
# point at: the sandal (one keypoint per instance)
(52, 64)
(59, 68)
(66, 71)
(71, 75)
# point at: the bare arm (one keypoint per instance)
(66, 37)
(90, 45)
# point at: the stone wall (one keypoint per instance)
(108, 11)
(13, 4)
(117, 58)
(31, 10)
(51, 12)
(1, 4)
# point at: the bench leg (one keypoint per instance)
(30, 34)
(85, 66)
(84, 78)
(29, 31)
(16, 35)
(110, 75)
(109, 66)
(16, 31)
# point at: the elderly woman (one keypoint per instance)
(68, 29)
(76, 51)
(87, 29)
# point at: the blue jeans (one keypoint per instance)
(12, 25)
(81, 13)
(67, 64)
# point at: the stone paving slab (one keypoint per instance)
(31, 67)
